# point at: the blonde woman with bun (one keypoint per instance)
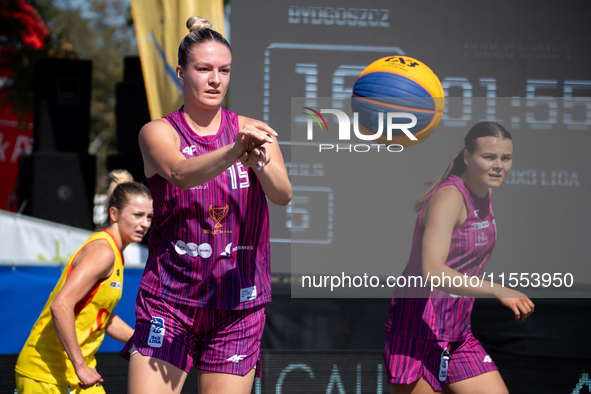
(58, 356)
(210, 171)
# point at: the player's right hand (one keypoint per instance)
(257, 158)
(88, 376)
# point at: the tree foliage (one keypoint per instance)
(99, 30)
(24, 38)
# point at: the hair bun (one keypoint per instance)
(120, 176)
(117, 177)
(195, 23)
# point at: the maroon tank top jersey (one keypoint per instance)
(209, 245)
(418, 312)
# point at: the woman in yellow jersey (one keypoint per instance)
(58, 356)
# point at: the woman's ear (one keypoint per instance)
(113, 214)
(180, 76)
(466, 156)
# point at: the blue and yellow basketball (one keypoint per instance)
(398, 84)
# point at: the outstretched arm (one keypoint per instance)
(160, 145)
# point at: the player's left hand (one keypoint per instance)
(253, 135)
(256, 158)
(519, 303)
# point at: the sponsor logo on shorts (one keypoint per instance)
(248, 293)
(115, 285)
(445, 356)
(237, 358)
(487, 359)
(157, 331)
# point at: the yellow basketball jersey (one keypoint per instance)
(43, 357)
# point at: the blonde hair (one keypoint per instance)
(200, 31)
(117, 177)
(121, 186)
(197, 23)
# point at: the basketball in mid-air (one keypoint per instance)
(396, 84)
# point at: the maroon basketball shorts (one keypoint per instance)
(408, 359)
(208, 339)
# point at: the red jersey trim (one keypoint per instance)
(88, 297)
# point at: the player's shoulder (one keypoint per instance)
(447, 193)
(101, 248)
(158, 124)
(244, 120)
(97, 255)
(157, 128)
(447, 198)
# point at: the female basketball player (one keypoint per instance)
(202, 296)
(58, 357)
(429, 345)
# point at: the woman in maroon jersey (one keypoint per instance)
(429, 345)
(207, 278)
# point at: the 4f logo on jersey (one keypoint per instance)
(237, 358)
(190, 150)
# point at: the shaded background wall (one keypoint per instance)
(485, 54)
